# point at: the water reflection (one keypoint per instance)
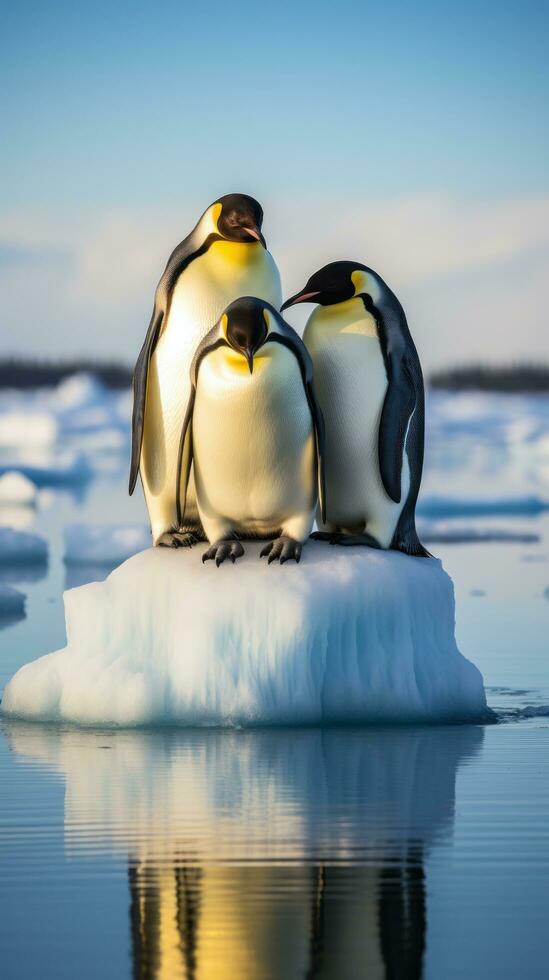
(264, 854)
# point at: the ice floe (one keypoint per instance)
(12, 603)
(50, 469)
(346, 636)
(27, 429)
(78, 391)
(21, 548)
(17, 490)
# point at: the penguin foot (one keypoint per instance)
(220, 550)
(178, 539)
(351, 540)
(282, 549)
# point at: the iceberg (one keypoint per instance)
(79, 390)
(347, 636)
(17, 490)
(104, 544)
(21, 548)
(12, 605)
(27, 428)
(50, 469)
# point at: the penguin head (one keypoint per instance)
(337, 282)
(246, 326)
(239, 219)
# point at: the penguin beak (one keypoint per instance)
(299, 298)
(255, 233)
(249, 355)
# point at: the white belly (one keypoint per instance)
(254, 456)
(207, 286)
(351, 383)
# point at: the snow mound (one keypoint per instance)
(12, 602)
(107, 544)
(15, 488)
(27, 429)
(346, 636)
(20, 548)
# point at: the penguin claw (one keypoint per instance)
(283, 549)
(178, 539)
(220, 550)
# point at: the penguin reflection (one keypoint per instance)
(269, 922)
(263, 855)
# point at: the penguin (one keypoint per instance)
(254, 433)
(370, 388)
(225, 256)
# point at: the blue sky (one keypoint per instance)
(334, 115)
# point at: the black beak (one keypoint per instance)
(249, 355)
(304, 297)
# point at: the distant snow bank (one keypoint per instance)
(346, 636)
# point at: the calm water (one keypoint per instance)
(397, 853)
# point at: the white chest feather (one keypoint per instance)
(351, 383)
(254, 457)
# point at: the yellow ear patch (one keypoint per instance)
(266, 317)
(216, 211)
(224, 324)
(360, 281)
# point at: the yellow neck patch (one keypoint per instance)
(236, 253)
(347, 317)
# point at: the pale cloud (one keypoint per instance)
(472, 275)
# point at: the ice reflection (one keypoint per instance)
(260, 854)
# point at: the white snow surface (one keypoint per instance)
(15, 488)
(348, 635)
(21, 548)
(104, 543)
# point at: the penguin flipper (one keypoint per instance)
(182, 255)
(184, 458)
(140, 375)
(398, 407)
(289, 338)
(320, 440)
(213, 339)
